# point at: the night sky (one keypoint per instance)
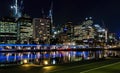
(72, 10)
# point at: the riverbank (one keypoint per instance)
(71, 67)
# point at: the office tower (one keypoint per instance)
(42, 29)
(25, 28)
(8, 30)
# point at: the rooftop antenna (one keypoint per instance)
(104, 26)
(43, 13)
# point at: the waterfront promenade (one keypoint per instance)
(111, 65)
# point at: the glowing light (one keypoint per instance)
(90, 18)
(55, 32)
(46, 62)
(86, 18)
(54, 62)
(26, 65)
(29, 65)
(48, 67)
(42, 24)
(96, 25)
(25, 61)
(21, 62)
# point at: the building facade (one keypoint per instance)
(25, 29)
(84, 30)
(42, 29)
(8, 30)
(67, 32)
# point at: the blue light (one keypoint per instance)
(23, 45)
(65, 29)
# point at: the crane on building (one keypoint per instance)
(17, 8)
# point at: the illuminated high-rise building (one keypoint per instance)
(68, 32)
(78, 32)
(42, 29)
(25, 28)
(8, 30)
(84, 30)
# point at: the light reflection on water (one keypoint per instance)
(53, 57)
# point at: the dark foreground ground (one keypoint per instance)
(110, 65)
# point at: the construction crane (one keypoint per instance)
(17, 8)
(50, 15)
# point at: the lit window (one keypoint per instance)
(42, 23)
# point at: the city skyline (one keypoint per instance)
(75, 11)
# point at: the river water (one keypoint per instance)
(52, 57)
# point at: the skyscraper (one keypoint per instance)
(8, 30)
(42, 29)
(25, 28)
(68, 32)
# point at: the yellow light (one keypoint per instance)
(26, 65)
(31, 65)
(48, 68)
(25, 61)
(46, 62)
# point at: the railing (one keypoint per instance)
(39, 47)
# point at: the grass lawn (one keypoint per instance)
(111, 68)
(92, 66)
(108, 66)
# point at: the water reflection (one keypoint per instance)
(53, 57)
